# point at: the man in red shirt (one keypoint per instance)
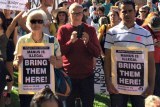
(79, 45)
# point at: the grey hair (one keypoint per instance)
(73, 6)
(33, 13)
(150, 100)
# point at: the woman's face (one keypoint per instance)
(113, 17)
(143, 12)
(36, 23)
(61, 17)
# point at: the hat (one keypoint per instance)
(61, 9)
(61, 3)
(155, 23)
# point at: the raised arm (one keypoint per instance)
(12, 26)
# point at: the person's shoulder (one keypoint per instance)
(23, 38)
(87, 25)
(143, 29)
(66, 26)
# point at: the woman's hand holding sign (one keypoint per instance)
(56, 61)
(17, 61)
(111, 89)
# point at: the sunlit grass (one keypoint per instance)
(101, 100)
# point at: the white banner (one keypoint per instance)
(129, 69)
(13, 4)
(99, 78)
(35, 71)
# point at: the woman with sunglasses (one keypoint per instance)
(35, 23)
(143, 13)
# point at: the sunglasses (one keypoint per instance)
(143, 11)
(34, 21)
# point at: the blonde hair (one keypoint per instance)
(152, 101)
(35, 12)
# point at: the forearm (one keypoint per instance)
(58, 62)
(13, 24)
(107, 65)
(151, 70)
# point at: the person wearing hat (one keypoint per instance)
(61, 18)
(63, 4)
(154, 27)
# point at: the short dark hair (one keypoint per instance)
(66, 16)
(101, 8)
(85, 9)
(127, 2)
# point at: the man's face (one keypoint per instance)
(127, 14)
(76, 14)
(48, 3)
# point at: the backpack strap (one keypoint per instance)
(51, 40)
(105, 27)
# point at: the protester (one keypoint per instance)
(44, 4)
(79, 45)
(10, 46)
(93, 7)
(35, 22)
(153, 26)
(107, 4)
(5, 33)
(61, 18)
(152, 101)
(124, 35)
(86, 15)
(143, 13)
(45, 98)
(114, 20)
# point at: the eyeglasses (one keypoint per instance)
(142, 11)
(38, 21)
(77, 14)
(65, 4)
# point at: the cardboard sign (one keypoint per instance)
(13, 4)
(129, 69)
(36, 72)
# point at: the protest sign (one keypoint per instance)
(36, 72)
(129, 69)
(13, 4)
(99, 78)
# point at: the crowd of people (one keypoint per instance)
(82, 33)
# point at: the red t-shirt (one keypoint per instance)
(157, 49)
(78, 57)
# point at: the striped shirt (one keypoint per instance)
(136, 36)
